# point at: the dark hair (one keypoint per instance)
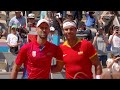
(110, 28)
(91, 12)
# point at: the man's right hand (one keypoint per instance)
(114, 32)
(117, 59)
(97, 34)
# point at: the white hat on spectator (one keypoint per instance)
(31, 15)
(42, 21)
(52, 29)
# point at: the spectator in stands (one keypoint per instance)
(84, 33)
(110, 32)
(114, 39)
(18, 20)
(69, 15)
(100, 42)
(113, 67)
(31, 20)
(3, 31)
(91, 22)
(50, 36)
(77, 15)
(90, 19)
(113, 63)
(13, 40)
(55, 21)
(106, 19)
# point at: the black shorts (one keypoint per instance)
(14, 50)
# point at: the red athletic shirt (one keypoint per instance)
(36, 62)
(77, 59)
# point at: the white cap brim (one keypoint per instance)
(31, 17)
(42, 21)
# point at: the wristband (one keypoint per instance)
(97, 76)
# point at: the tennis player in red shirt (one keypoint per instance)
(78, 55)
(37, 55)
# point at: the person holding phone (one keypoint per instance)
(114, 39)
(100, 42)
(113, 67)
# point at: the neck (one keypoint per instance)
(72, 42)
(41, 41)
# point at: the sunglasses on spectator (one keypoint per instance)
(31, 18)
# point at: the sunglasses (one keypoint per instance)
(31, 18)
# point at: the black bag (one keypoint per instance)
(14, 50)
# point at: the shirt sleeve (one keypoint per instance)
(59, 53)
(11, 22)
(22, 55)
(91, 50)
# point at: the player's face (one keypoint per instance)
(70, 32)
(43, 30)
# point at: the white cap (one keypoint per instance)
(41, 21)
(31, 15)
(52, 29)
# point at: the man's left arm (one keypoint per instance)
(94, 59)
(58, 67)
(59, 61)
(98, 68)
